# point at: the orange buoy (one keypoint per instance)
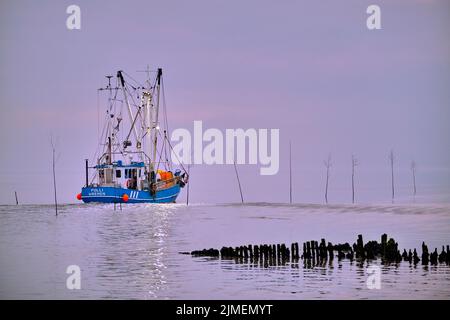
(79, 196)
(125, 197)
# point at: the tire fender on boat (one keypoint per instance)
(153, 188)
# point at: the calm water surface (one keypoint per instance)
(134, 253)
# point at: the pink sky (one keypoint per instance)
(311, 69)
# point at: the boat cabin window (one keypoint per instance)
(118, 173)
(132, 173)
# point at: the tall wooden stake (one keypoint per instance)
(187, 194)
(391, 160)
(239, 182)
(354, 164)
(413, 169)
(17, 201)
(290, 173)
(327, 164)
(54, 175)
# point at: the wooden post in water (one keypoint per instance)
(290, 173)
(327, 164)
(425, 254)
(308, 250)
(360, 253)
(391, 161)
(413, 170)
(54, 175)
(313, 250)
(293, 250)
(354, 164)
(187, 194)
(17, 201)
(297, 254)
(383, 244)
(239, 182)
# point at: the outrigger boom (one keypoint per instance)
(117, 176)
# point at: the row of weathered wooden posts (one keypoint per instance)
(328, 164)
(318, 253)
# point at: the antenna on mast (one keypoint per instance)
(147, 71)
(108, 87)
(109, 81)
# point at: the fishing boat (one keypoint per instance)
(132, 163)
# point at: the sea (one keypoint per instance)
(136, 251)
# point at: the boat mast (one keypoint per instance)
(109, 150)
(147, 104)
(158, 88)
(130, 112)
(110, 130)
(156, 125)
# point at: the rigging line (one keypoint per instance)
(98, 117)
(136, 82)
(158, 163)
(160, 153)
(165, 152)
(111, 107)
(167, 164)
(116, 90)
(98, 107)
(166, 123)
(132, 125)
(153, 88)
(112, 101)
(126, 90)
(101, 138)
(181, 163)
(132, 98)
(164, 105)
(160, 156)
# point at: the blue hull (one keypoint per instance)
(115, 195)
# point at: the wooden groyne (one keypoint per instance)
(319, 253)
